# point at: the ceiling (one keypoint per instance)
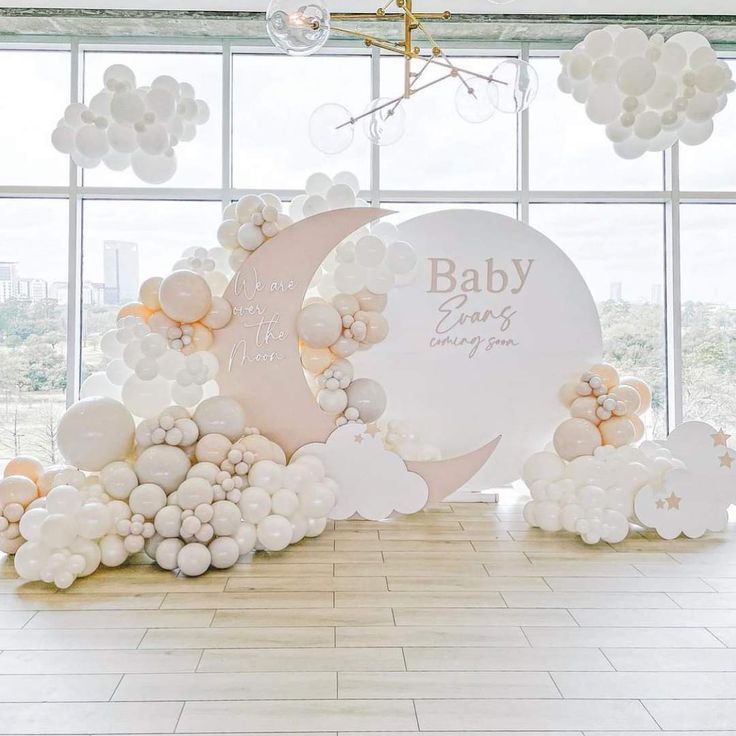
(565, 21)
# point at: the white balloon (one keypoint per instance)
(246, 537)
(255, 504)
(193, 559)
(118, 479)
(94, 520)
(224, 551)
(154, 169)
(94, 432)
(146, 399)
(274, 533)
(147, 499)
(167, 553)
(226, 518)
(266, 474)
(112, 551)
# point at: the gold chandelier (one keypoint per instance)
(301, 28)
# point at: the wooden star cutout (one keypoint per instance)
(726, 460)
(372, 430)
(358, 438)
(660, 503)
(720, 438)
(673, 502)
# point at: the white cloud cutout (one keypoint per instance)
(695, 499)
(374, 482)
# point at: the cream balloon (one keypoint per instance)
(219, 315)
(25, 465)
(221, 415)
(94, 432)
(575, 438)
(645, 393)
(629, 396)
(319, 325)
(607, 373)
(185, 296)
(148, 292)
(617, 431)
(162, 465)
(584, 407)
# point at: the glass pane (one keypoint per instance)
(712, 165)
(35, 94)
(567, 151)
(709, 314)
(619, 250)
(124, 244)
(408, 210)
(199, 162)
(33, 287)
(273, 99)
(440, 150)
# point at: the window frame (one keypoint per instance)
(75, 192)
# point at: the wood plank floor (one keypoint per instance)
(458, 619)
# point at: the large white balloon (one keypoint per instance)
(94, 432)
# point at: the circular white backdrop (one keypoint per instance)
(496, 321)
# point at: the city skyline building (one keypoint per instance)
(120, 268)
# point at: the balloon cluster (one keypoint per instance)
(593, 495)
(604, 410)
(648, 92)
(197, 491)
(329, 332)
(125, 125)
(210, 263)
(19, 488)
(248, 223)
(159, 351)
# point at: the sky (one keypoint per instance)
(273, 98)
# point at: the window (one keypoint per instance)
(550, 167)
(709, 314)
(33, 319)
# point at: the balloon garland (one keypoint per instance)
(648, 92)
(125, 125)
(597, 482)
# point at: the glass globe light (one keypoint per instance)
(474, 103)
(296, 27)
(386, 125)
(327, 129)
(518, 85)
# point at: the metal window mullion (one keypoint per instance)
(523, 153)
(673, 290)
(74, 250)
(375, 150)
(227, 122)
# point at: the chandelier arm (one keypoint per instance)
(440, 51)
(393, 101)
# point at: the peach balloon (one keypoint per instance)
(629, 396)
(584, 407)
(575, 438)
(607, 373)
(24, 465)
(185, 296)
(159, 322)
(371, 302)
(639, 429)
(377, 328)
(148, 293)
(135, 309)
(568, 393)
(17, 489)
(220, 313)
(617, 431)
(644, 392)
(316, 360)
(201, 338)
(46, 479)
